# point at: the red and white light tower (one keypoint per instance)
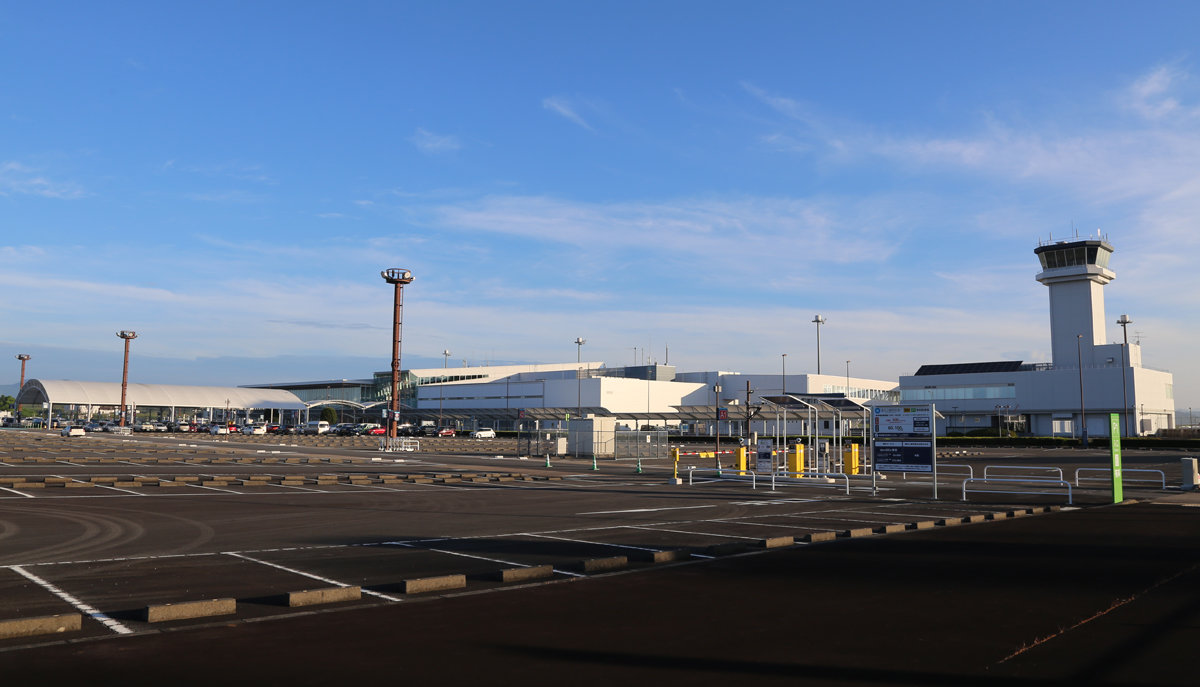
(128, 336)
(397, 277)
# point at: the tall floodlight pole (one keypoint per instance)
(442, 386)
(22, 357)
(1124, 321)
(847, 379)
(818, 320)
(128, 336)
(783, 378)
(1082, 412)
(579, 342)
(398, 278)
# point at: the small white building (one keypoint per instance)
(1088, 377)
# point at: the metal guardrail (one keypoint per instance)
(1029, 480)
(943, 466)
(1162, 477)
(721, 474)
(393, 444)
(988, 468)
(799, 481)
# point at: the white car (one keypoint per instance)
(254, 429)
(73, 431)
(219, 428)
(484, 433)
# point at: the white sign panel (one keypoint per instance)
(904, 420)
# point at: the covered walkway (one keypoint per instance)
(89, 398)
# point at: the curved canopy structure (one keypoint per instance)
(64, 391)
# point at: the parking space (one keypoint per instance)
(126, 524)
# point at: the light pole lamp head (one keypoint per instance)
(126, 334)
(23, 357)
(579, 341)
(818, 320)
(446, 353)
(1124, 320)
(397, 275)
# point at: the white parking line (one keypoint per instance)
(18, 493)
(81, 606)
(699, 534)
(644, 510)
(308, 575)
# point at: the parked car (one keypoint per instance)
(184, 427)
(92, 427)
(377, 431)
(446, 432)
(484, 433)
(254, 429)
(342, 429)
(316, 427)
(218, 429)
(273, 428)
(73, 431)
(429, 431)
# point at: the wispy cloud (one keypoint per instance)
(564, 108)
(18, 179)
(432, 144)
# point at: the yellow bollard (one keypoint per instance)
(795, 459)
(850, 462)
(741, 460)
(675, 459)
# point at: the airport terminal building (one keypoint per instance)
(1087, 380)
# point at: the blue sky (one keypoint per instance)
(229, 178)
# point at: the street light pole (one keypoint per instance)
(127, 336)
(1082, 411)
(717, 450)
(818, 320)
(847, 379)
(579, 342)
(22, 357)
(398, 278)
(1124, 321)
(783, 386)
(442, 386)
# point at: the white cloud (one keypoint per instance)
(18, 179)
(562, 107)
(432, 144)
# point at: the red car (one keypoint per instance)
(377, 431)
(445, 432)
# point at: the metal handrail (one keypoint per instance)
(812, 474)
(1057, 470)
(721, 474)
(970, 469)
(1070, 498)
(390, 444)
(1162, 476)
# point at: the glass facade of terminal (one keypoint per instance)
(958, 393)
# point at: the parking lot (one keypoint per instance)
(110, 527)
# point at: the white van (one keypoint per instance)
(316, 427)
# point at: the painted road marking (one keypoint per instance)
(644, 510)
(308, 575)
(81, 606)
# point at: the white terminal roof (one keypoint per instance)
(66, 391)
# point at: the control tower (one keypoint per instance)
(1076, 272)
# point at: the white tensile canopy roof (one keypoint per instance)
(65, 391)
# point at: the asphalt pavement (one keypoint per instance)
(1098, 596)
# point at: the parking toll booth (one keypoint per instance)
(850, 460)
(795, 459)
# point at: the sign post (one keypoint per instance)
(905, 440)
(1114, 433)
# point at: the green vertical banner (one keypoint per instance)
(1114, 434)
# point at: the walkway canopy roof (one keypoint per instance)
(65, 391)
